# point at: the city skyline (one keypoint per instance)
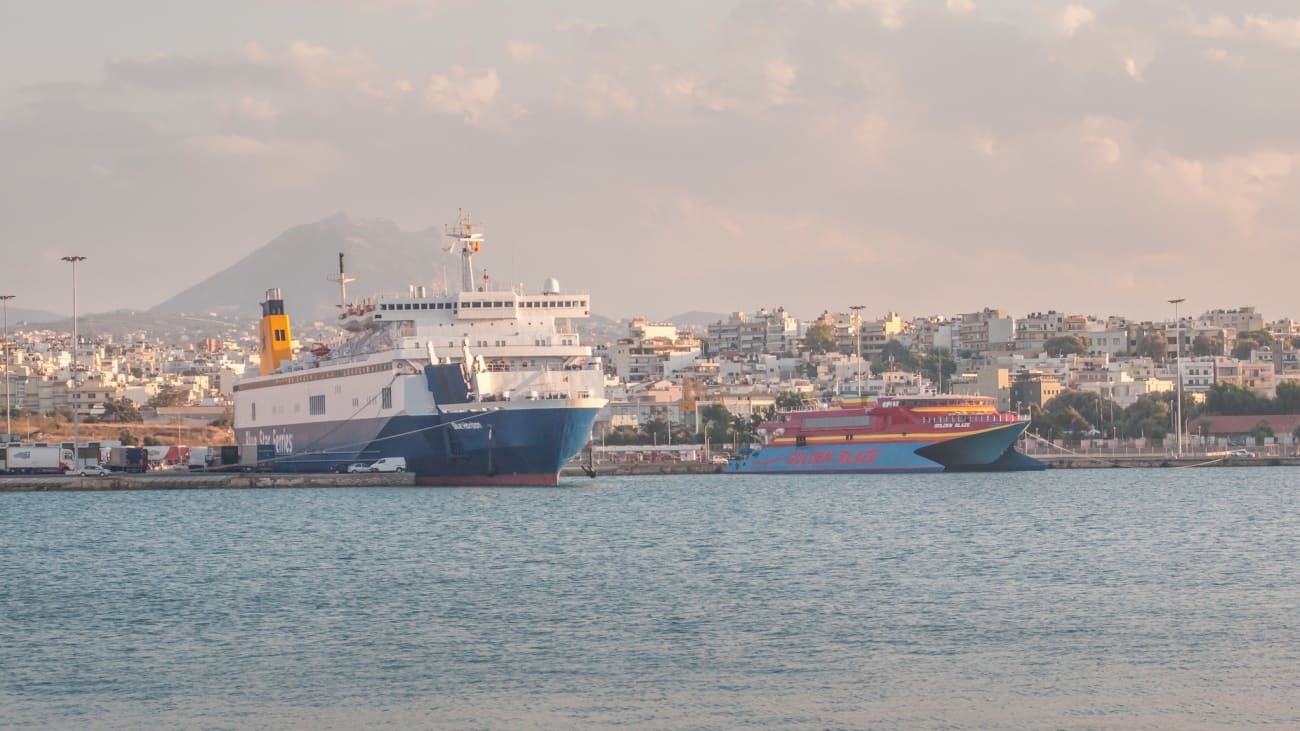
(929, 157)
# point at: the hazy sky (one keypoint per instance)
(926, 156)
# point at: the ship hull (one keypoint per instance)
(982, 450)
(489, 447)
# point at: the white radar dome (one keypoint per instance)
(551, 286)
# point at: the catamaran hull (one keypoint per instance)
(491, 447)
(986, 450)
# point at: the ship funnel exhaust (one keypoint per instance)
(275, 339)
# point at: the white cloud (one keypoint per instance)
(522, 52)
(1072, 19)
(889, 13)
(472, 95)
(961, 7)
(260, 109)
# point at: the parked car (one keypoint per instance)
(720, 459)
(1241, 453)
(98, 470)
(357, 467)
(389, 464)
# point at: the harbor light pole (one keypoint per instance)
(857, 329)
(1178, 371)
(75, 385)
(9, 429)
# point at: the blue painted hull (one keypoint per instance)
(990, 450)
(509, 447)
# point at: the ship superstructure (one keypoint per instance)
(478, 386)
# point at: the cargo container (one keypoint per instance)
(229, 457)
(37, 460)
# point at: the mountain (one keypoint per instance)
(19, 316)
(380, 256)
(696, 320)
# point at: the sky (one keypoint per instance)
(922, 156)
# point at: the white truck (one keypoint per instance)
(37, 460)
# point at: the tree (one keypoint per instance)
(1260, 432)
(1065, 345)
(1288, 398)
(1263, 337)
(137, 373)
(938, 366)
(1074, 414)
(1147, 417)
(226, 421)
(1243, 348)
(1227, 399)
(150, 441)
(820, 337)
(1207, 345)
(787, 400)
(894, 356)
(170, 397)
(121, 410)
(1153, 346)
(126, 438)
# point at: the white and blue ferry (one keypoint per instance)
(482, 386)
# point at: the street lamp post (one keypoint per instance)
(857, 329)
(1178, 375)
(9, 429)
(75, 383)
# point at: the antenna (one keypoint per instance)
(470, 239)
(343, 280)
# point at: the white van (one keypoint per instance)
(389, 464)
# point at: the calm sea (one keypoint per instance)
(1115, 599)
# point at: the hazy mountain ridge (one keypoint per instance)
(378, 255)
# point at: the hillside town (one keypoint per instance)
(1081, 379)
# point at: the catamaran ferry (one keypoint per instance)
(483, 386)
(923, 433)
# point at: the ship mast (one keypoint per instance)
(470, 238)
(343, 280)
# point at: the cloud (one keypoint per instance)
(473, 95)
(262, 110)
(523, 52)
(1073, 18)
(960, 7)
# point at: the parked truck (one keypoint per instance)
(37, 460)
(128, 459)
(201, 458)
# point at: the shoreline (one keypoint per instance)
(263, 481)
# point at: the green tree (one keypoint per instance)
(1153, 346)
(1288, 398)
(1227, 399)
(137, 372)
(1263, 337)
(170, 397)
(150, 441)
(938, 366)
(1261, 431)
(1147, 417)
(820, 337)
(121, 410)
(226, 420)
(789, 400)
(126, 438)
(1075, 414)
(716, 421)
(1243, 348)
(1065, 345)
(894, 356)
(1207, 345)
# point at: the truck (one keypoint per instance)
(201, 458)
(228, 458)
(37, 460)
(128, 459)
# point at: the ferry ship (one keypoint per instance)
(922, 433)
(484, 386)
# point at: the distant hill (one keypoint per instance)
(122, 324)
(379, 255)
(696, 320)
(19, 316)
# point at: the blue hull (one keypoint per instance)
(991, 450)
(510, 447)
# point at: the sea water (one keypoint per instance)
(1085, 599)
